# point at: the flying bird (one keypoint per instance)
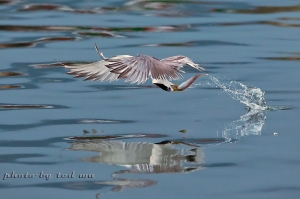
(137, 69)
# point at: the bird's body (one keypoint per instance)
(137, 69)
(169, 86)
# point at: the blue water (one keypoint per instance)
(138, 141)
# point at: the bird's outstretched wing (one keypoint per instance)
(95, 71)
(139, 68)
(133, 69)
(179, 61)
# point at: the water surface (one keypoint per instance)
(120, 140)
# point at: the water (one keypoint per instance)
(233, 135)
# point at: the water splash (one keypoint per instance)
(252, 97)
(253, 121)
(248, 124)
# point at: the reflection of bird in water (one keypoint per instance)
(137, 69)
(143, 157)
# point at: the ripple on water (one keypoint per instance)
(261, 9)
(27, 106)
(271, 23)
(55, 64)
(6, 87)
(290, 58)
(44, 143)
(110, 137)
(78, 29)
(101, 186)
(35, 42)
(277, 107)
(3, 2)
(9, 74)
(58, 7)
(191, 43)
(197, 141)
(14, 127)
(14, 159)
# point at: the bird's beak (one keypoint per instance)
(175, 88)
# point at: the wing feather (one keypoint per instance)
(139, 68)
(125, 73)
(97, 70)
(179, 61)
(134, 69)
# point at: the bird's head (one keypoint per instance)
(175, 88)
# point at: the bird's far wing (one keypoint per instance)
(179, 61)
(94, 71)
(139, 68)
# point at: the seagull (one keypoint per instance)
(137, 69)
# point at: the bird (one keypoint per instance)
(137, 69)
